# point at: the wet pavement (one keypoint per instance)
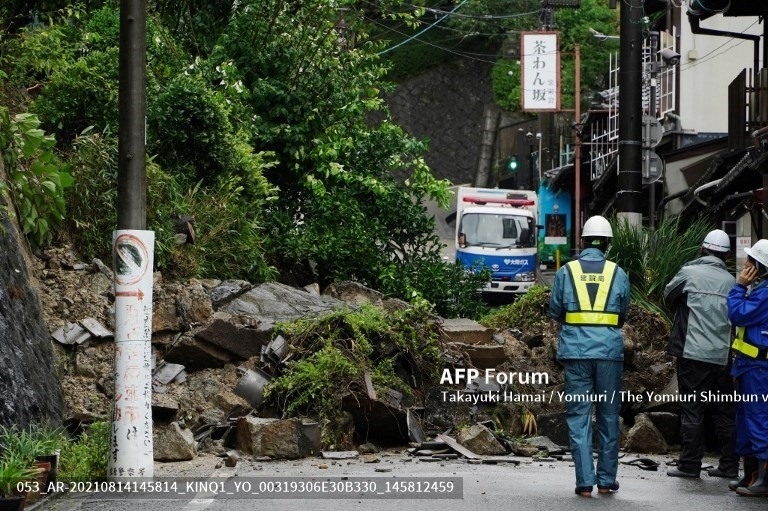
(531, 485)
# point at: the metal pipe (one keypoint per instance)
(703, 187)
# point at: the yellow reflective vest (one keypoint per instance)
(592, 313)
(742, 345)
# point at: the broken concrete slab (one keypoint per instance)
(243, 342)
(167, 372)
(453, 444)
(544, 443)
(95, 328)
(415, 432)
(483, 356)
(71, 333)
(466, 331)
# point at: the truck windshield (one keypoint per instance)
(495, 230)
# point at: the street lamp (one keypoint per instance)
(600, 36)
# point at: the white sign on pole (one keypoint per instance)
(540, 60)
(742, 242)
(131, 441)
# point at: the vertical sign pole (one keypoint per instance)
(131, 449)
(577, 149)
(131, 453)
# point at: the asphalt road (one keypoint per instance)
(527, 486)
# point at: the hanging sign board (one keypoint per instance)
(540, 61)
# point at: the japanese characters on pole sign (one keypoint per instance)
(541, 71)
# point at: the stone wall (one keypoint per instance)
(445, 105)
(30, 391)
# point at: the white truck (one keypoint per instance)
(496, 229)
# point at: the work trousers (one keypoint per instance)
(752, 412)
(696, 381)
(598, 383)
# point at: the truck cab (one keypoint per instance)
(496, 229)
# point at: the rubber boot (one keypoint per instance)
(759, 488)
(750, 474)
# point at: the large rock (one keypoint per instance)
(278, 439)
(245, 341)
(480, 440)
(178, 307)
(273, 302)
(172, 443)
(645, 438)
(28, 386)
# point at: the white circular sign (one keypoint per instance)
(131, 259)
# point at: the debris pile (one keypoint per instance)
(279, 372)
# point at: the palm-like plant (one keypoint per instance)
(652, 257)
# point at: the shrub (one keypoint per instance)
(87, 458)
(529, 312)
(37, 178)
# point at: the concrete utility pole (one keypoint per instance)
(577, 149)
(628, 196)
(131, 449)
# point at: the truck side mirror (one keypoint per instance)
(462, 240)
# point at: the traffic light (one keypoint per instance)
(513, 164)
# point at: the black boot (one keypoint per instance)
(750, 474)
(759, 488)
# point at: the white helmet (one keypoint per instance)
(597, 226)
(759, 252)
(717, 241)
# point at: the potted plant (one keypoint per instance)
(16, 479)
(34, 448)
(48, 442)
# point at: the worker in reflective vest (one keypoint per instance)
(590, 298)
(748, 310)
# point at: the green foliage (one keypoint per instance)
(507, 83)
(454, 291)
(92, 200)
(191, 131)
(14, 471)
(652, 258)
(529, 312)
(38, 50)
(81, 94)
(19, 447)
(87, 458)
(333, 352)
(228, 236)
(37, 179)
(274, 98)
